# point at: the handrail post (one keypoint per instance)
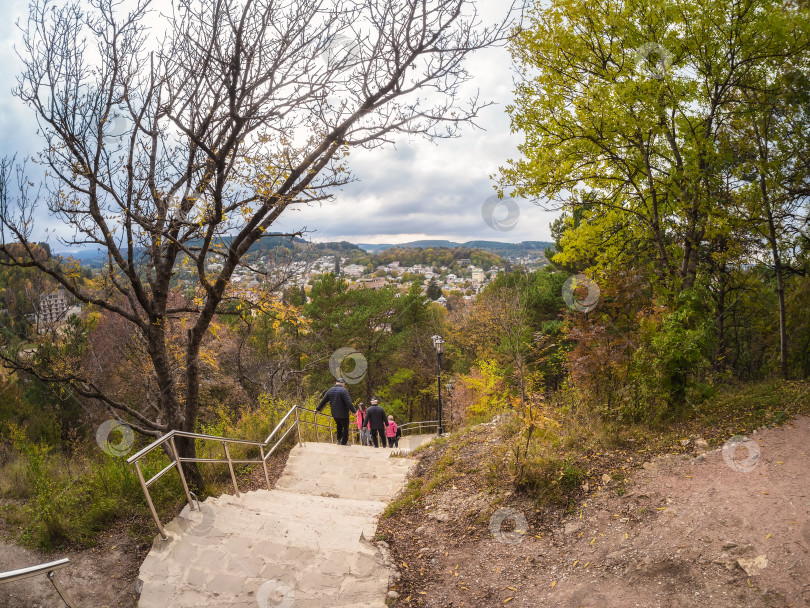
(331, 432)
(315, 422)
(264, 464)
(298, 423)
(59, 590)
(149, 501)
(230, 466)
(180, 470)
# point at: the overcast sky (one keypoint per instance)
(415, 191)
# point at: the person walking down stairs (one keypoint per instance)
(365, 437)
(391, 433)
(341, 404)
(376, 421)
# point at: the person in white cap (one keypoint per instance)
(376, 420)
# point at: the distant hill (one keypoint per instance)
(95, 258)
(492, 246)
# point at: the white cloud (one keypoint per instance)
(417, 190)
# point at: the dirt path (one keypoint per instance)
(101, 577)
(681, 532)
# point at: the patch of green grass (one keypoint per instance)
(744, 408)
(408, 496)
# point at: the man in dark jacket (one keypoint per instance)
(376, 420)
(341, 404)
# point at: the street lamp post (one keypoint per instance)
(449, 387)
(438, 344)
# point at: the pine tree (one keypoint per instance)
(434, 292)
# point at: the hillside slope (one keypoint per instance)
(726, 527)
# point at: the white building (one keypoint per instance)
(53, 307)
(354, 270)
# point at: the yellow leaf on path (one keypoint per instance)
(586, 564)
(575, 563)
(408, 599)
(553, 583)
(509, 599)
(768, 536)
(405, 564)
(593, 541)
(498, 569)
(625, 535)
(580, 535)
(661, 508)
(749, 582)
(512, 588)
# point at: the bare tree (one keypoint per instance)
(185, 148)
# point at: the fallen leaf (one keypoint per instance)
(593, 541)
(509, 599)
(553, 583)
(575, 564)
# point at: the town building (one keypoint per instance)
(53, 307)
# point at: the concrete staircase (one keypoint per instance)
(303, 544)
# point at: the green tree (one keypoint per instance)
(434, 290)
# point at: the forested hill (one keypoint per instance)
(498, 247)
(272, 242)
(434, 256)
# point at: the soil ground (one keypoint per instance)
(721, 528)
(102, 576)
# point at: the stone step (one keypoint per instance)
(304, 544)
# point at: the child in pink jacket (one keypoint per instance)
(391, 433)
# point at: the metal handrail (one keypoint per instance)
(177, 460)
(420, 425)
(48, 569)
